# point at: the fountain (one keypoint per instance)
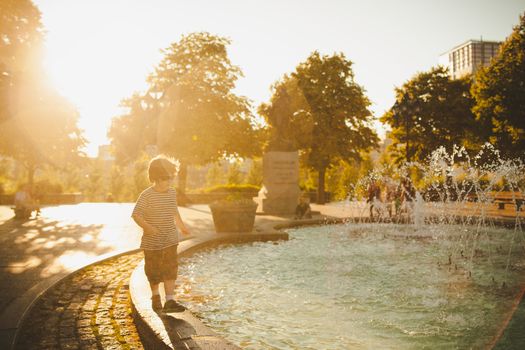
(439, 266)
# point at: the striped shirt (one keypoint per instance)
(158, 209)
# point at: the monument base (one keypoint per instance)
(280, 192)
(284, 204)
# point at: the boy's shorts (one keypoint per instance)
(161, 265)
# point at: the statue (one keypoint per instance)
(280, 190)
(279, 120)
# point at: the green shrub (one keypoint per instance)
(46, 186)
(232, 188)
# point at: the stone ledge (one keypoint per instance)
(183, 330)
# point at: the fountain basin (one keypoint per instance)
(359, 286)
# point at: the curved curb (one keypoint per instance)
(25, 303)
(183, 330)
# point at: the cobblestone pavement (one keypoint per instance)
(37, 252)
(62, 240)
(89, 309)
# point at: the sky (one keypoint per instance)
(99, 52)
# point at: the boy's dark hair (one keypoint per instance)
(160, 168)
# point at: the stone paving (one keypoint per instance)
(62, 240)
(87, 310)
(36, 253)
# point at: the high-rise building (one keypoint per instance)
(468, 57)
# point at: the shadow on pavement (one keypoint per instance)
(179, 331)
(33, 250)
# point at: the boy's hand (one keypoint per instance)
(151, 230)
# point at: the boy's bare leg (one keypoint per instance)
(169, 288)
(171, 305)
(154, 288)
(156, 303)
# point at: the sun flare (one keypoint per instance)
(94, 66)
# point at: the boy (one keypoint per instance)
(157, 213)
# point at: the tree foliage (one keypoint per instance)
(255, 175)
(38, 126)
(339, 107)
(499, 91)
(431, 110)
(135, 129)
(202, 119)
(324, 111)
(194, 115)
(235, 176)
(20, 42)
(42, 129)
(21, 31)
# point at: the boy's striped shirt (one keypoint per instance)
(158, 209)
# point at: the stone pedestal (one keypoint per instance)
(280, 191)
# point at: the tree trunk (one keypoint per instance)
(31, 175)
(320, 187)
(182, 200)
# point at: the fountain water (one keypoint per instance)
(450, 189)
(435, 269)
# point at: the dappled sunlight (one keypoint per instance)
(69, 261)
(75, 259)
(63, 239)
(26, 237)
(60, 241)
(89, 213)
(86, 238)
(22, 266)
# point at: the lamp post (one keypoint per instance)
(407, 153)
(404, 112)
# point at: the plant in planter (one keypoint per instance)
(233, 214)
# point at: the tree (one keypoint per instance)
(131, 132)
(42, 130)
(255, 175)
(336, 114)
(431, 110)
(215, 175)
(38, 126)
(21, 39)
(234, 176)
(499, 92)
(199, 118)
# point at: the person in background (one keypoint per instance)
(24, 203)
(391, 198)
(303, 209)
(374, 195)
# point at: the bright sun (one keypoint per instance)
(93, 65)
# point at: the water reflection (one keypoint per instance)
(347, 289)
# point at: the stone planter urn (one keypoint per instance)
(233, 215)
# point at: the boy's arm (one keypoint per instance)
(180, 224)
(148, 228)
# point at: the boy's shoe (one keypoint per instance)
(156, 304)
(173, 306)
